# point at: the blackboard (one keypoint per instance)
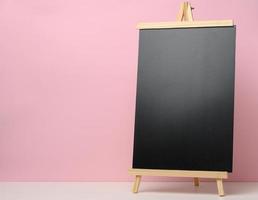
(185, 99)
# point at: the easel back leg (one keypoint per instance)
(196, 181)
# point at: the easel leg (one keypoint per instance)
(196, 181)
(220, 187)
(136, 183)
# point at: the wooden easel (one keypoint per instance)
(184, 19)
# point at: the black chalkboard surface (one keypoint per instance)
(185, 99)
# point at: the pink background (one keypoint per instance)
(68, 79)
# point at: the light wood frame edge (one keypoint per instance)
(185, 24)
(179, 173)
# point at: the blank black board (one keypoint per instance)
(185, 99)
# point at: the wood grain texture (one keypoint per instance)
(181, 12)
(220, 187)
(184, 24)
(136, 183)
(180, 173)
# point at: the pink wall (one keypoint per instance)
(67, 85)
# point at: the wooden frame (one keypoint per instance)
(184, 20)
(196, 175)
(179, 173)
(185, 24)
